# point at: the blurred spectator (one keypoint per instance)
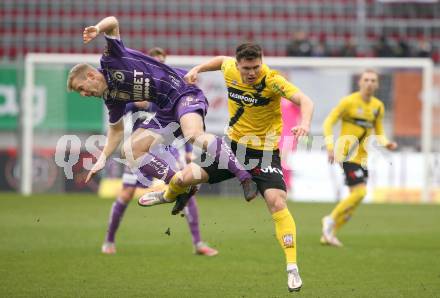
(299, 46)
(403, 49)
(348, 49)
(383, 48)
(321, 48)
(424, 48)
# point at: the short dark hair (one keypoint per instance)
(248, 51)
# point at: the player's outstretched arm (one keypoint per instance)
(211, 65)
(331, 119)
(307, 106)
(108, 25)
(115, 134)
(327, 126)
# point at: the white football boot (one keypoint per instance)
(294, 282)
(152, 199)
(328, 237)
(108, 248)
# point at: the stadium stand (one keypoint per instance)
(209, 27)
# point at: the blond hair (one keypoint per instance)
(78, 71)
(369, 70)
(156, 51)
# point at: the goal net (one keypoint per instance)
(51, 116)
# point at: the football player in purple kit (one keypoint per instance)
(127, 75)
(130, 182)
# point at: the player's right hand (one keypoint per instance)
(391, 146)
(300, 131)
(90, 33)
(98, 166)
(191, 76)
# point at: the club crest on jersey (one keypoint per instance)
(118, 76)
(259, 87)
(360, 110)
(288, 241)
(376, 112)
(113, 93)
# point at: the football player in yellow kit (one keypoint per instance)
(360, 113)
(254, 96)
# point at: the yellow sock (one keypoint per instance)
(344, 210)
(173, 189)
(285, 231)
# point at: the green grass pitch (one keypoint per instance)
(50, 247)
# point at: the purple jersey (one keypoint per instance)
(134, 76)
(170, 154)
(132, 108)
(138, 114)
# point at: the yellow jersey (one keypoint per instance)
(359, 118)
(254, 110)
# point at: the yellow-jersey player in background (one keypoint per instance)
(360, 113)
(254, 96)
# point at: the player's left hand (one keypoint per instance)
(90, 33)
(98, 166)
(191, 76)
(391, 146)
(300, 131)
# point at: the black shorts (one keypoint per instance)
(267, 173)
(354, 173)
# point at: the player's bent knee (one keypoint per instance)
(132, 150)
(276, 199)
(122, 152)
(178, 179)
(127, 194)
(127, 154)
(278, 205)
(360, 190)
(184, 179)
